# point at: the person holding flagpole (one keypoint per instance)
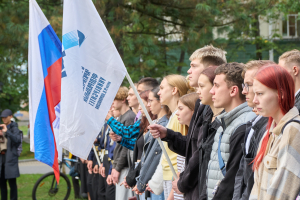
(172, 88)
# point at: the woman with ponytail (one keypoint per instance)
(277, 162)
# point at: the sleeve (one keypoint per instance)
(131, 131)
(176, 142)
(189, 177)
(156, 182)
(122, 160)
(110, 168)
(239, 179)
(14, 135)
(128, 143)
(225, 192)
(91, 155)
(149, 167)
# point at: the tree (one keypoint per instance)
(153, 37)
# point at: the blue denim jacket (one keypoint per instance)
(150, 158)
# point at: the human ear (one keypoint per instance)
(295, 70)
(234, 91)
(174, 91)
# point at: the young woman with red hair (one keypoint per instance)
(277, 163)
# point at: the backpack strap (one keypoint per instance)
(220, 159)
(291, 120)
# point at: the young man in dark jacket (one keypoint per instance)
(188, 145)
(10, 139)
(255, 130)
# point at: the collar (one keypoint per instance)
(297, 92)
(292, 113)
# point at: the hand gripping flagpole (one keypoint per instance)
(97, 156)
(151, 122)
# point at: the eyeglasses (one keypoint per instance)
(246, 86)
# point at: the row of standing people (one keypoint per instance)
(214, 140)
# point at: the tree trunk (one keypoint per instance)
(181, 59)
(257, 35)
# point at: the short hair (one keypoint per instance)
(233, 75)
(122, 94)
(255, 64)
(210, 55)
(291, 58)
(149, 82)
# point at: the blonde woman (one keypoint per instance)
(172, 88)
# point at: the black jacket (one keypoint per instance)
(244, 178)
(11, 156)
(208, 130)
(188, 146)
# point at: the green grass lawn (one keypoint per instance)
(25, 185)
(26, 153)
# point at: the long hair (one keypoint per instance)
(277, 78)
(189, 100)
(144, 122)
(179, 82)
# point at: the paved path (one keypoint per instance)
(35, 167)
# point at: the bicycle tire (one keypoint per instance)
(40, 183)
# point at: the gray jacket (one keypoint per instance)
(11, 156)
(120, 152)
(150, 158)
(230, 122)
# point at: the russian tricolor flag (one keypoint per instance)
(44, 64)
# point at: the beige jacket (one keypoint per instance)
(278, 176)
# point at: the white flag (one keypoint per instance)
(92, 73)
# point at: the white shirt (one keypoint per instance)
(251, 133)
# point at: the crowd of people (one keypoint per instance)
(231, 131)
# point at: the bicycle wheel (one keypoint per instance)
(47, 188)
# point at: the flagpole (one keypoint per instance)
(97, 156)
(151, 122)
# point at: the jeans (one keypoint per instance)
(157, 197)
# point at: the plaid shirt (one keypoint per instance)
(278, 174)
(128, 143)
(127, 132)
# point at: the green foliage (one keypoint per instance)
(153, 37)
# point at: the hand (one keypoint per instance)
(82, 160)
(157, 131)
(125, 183)
(135, 189)
(95, 170)
(109, 180)
(100, 167)
(4, 128)
(109, 115)
(102, 171)
(174, 185)
(115, 176)
(115, 137)
(90, 165)
(149, 189)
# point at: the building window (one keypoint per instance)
(291, 26)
